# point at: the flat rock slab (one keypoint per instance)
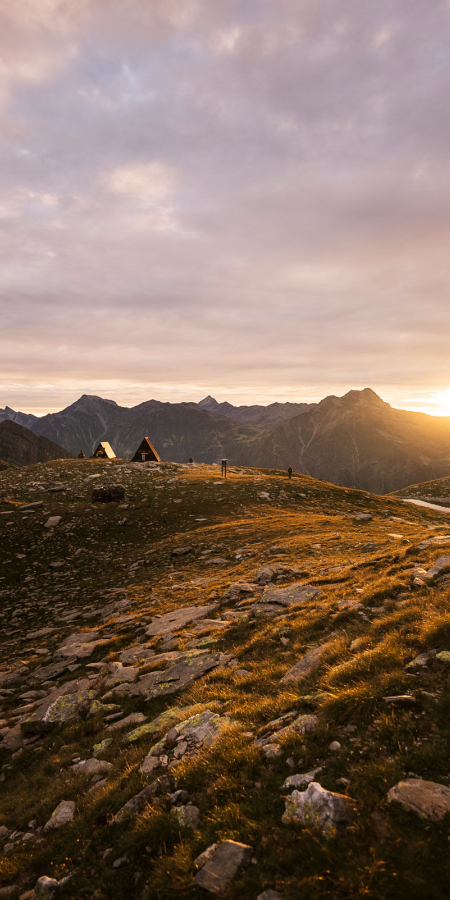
(290, 596)
(178, 619)
(61, 706)
(179, 675)
(136, 718)
(317, 807)
(437, 541)
(223, 866)
(441, 565)
(427, 798)
(309, 661)
(62, 815)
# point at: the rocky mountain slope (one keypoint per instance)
(20, 447)
(266, 417)
(220, 688)
(360, 440)
(356, 440)
(437, 491)
(25, 419)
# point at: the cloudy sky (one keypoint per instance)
(248, 198)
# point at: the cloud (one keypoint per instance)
(251, 197)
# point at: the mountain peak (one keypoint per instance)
(208, 403)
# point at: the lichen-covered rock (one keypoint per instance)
(63, 709)
(293, 595)
(186, 816)
(188, 738)
(427, 798)
(193, 665)
(317, 807)
(62, 815)
(164, 721)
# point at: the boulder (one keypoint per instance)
(62, 815)
(317, 807)
(45, 888)
(223, 865)
(186, 816)
(108, 493)
(183, 672)
(427, 798)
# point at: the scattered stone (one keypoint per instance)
(401, 698)
(443, 656)
(301, 724)
(187, 738)
(317, 807)
(165, 720)
(133, 719)
(427, 798)
(293, 595)
(53, 521)
(138, 803)
(62, 815)
(46, 888)
(90, 767)
(296, 781)
(441, 565)
(178, 619)
(269, 895)
(181, 551)
(441, 539)
(108, 493)
(186, 816)
(420, 661)
(60, 707)
(334, 746)
(309, 661)
(223, 865)
(363, 517)
(193, 665)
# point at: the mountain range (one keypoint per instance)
(357, 440)
(20, 447)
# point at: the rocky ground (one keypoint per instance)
(234, 688)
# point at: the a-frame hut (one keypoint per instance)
(104, 451)
(146, 452)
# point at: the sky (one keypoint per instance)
(243, 198)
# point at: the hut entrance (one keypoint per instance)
(103, 451)
(146, 452)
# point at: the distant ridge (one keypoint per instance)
(357, 440)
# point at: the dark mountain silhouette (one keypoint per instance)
(20, 447)
(25, 419)
(356, 440)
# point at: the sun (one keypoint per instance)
(443, 403)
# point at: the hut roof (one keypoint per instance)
(146, 452)
(104, 451)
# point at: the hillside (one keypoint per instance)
(25, 419)
(182, 669)
(20, 447)
(437, 491)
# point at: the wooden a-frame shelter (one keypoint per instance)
(146, 452)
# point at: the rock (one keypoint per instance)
(334, 746)
(188, 737)
(363, 517)
(269, 895)
(441, 565)
(443, 656)
(420, 661)
(90, 767)
(36, 505)
(134, 653)
(133, 719)
(223, 865)
(186, 816)
(178, 619)
(193, 665)
(164, 721)
(108, 493)
(150, 764)
(293, 595)
(181, 551)
(137, 804)
(61, 707)
(235, 591)
(320, 808)
(9, 891)
(295, 781)
(62, 815)
(309, 661)
(46, 888)
(120, 674)
(441, 539)
(205, 856)
(301, 724)
(53, 521)
(400, 698)
(427, 798)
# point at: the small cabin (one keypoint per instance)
(104, 451)
(146, 452)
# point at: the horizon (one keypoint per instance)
(433, 411)
(248, 200)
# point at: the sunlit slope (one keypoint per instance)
(83, 606)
